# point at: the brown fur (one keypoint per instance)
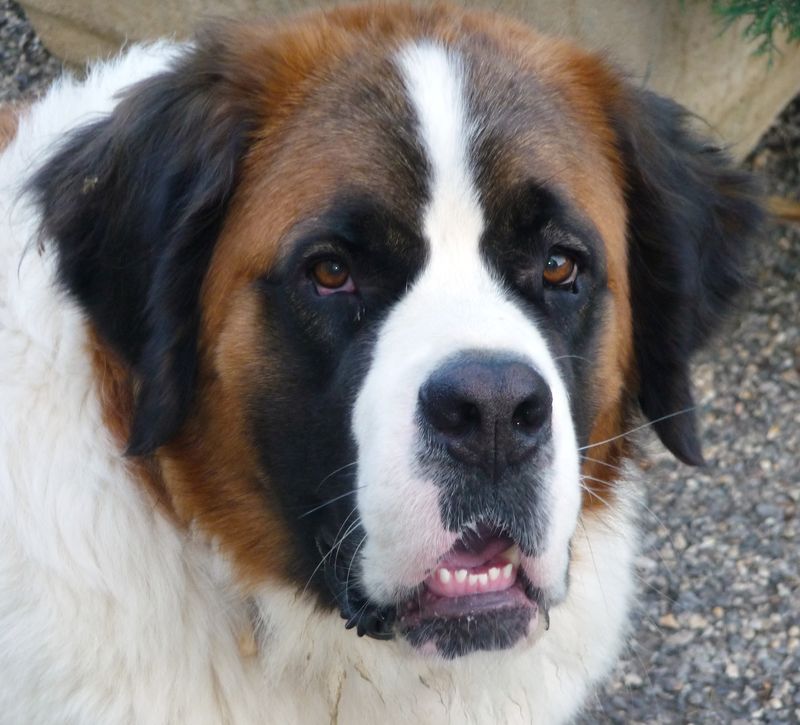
(116, 393)
(211, 467)
(9, 121)
(784, 210)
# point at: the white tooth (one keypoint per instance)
(494, 572)
(473, 579)
(444, 576)
(461, 575)
(483, 579)
(512, 554)
(507, 571)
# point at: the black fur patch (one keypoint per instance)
(458, 636)
(525, 223)
(134, 204)
(691, 216)
(300, 421)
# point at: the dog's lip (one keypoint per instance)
(428, 605)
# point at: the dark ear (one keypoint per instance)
(134, 204)
(691, 214)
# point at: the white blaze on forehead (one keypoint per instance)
(456, 304)
(435, 79)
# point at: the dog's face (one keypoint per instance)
(380, 277)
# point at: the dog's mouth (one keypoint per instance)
(477, 598)
(466, 577)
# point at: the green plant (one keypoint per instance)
(766, 18)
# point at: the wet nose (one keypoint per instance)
(491, 410)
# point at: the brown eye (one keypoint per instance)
(332, 275)
(560, 270)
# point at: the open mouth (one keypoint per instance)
(477, 598)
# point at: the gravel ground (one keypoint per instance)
(717, 636)
(25, 66)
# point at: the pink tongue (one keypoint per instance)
(468, 557)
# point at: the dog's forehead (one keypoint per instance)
(363, 130)
(370, 120)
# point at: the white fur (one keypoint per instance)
(110, 614)
(455, 305)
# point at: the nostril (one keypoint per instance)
(531, 414)
(524, 416)
(469, 418)
(449, 412)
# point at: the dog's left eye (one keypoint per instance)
(560, 270)
(331, 276)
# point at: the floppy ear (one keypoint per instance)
(691, 214)
(133, 204)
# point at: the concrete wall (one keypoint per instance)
(676, 48)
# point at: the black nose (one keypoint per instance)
(491, 410)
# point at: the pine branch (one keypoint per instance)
(766, 19)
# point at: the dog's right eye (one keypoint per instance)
(331, 275)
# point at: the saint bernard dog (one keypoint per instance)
(322, 342)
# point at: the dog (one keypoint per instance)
(322, 342)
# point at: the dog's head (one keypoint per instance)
(387, 284)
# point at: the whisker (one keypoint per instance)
(594, 494)
(586, 477)
(357, 616)
(639, 427)
(338, 470)
(333, 546)
(350, 530)
(329, 502)
(344, 523)
(620, 469)
(337, 540)
(352, 561)
(576, 357)
(594, 562)
(650, 511)
(642, 503)
(662, 593)
(609, 523)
